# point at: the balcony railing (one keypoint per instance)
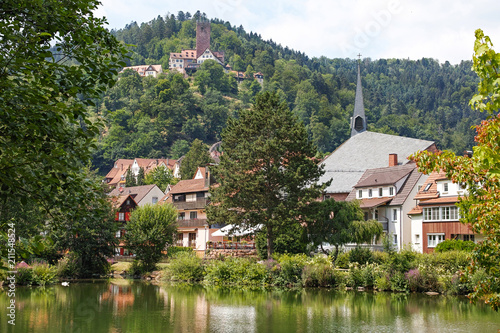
(231, 245)
(200, 203)
(192, 223)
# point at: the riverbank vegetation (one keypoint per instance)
(405, 271)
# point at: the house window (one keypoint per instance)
(435, 213)
(417, 239)
(369, 193)
(360, 193)
(380, 192)
(445, 187)
(394, 214)
(376, 214)
(391, 190)
(469, 238)
(395, 240)
(434, 239)
(450, 213)
(191, 197)
(181, 216)
(193, 215)
(427, 187)
(155, 200)
(121, 216)
(118, 234)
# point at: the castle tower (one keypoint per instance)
(358, 120)
(202, 37)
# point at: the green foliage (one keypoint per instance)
(43, 273)
(267, 174)
(338, 223)
(235, 271)
(290, 269)
(480, 173)
(50, 74)
(318, 272)
(455, 245)
(196, 156)
(161, 176)
(173, 250)
(360, 255)
(185, 266)
(130, 179)
(293, 240)
(149, 231)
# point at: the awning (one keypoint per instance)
(375, 202)
(235, 231)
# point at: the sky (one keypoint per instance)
(442, 30)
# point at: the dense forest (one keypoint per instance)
(159, 117)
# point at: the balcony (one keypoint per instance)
(192, 223)
(200, 203)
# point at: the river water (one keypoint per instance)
(134, 306)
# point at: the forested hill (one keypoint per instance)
(150, 117)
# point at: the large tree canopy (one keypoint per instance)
(481, 173)
(55, 57)
(267, 173)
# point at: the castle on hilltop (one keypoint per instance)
(192, 59)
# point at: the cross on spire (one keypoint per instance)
(359, 56)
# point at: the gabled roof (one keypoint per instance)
(137, 192)
(189, 186)
(385, 176)
(407, 174)
(120, 168)
(119, 200)
(367, 150)
(429, 189)
(373, 202)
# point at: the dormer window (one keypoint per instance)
(391, 190)
(360, 194)
(380, 191)
(427, 187)
(369, 193)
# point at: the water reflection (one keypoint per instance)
(134, 306)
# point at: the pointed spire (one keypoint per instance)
(358, 120)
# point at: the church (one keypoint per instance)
(365, 150)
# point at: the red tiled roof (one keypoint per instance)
(441, 200)
(432, 191)
(415, 210)
(137, 192)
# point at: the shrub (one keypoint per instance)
(455, 245)
(414, 279)
(380, 257)
(341, 278)
(43, 273)
(369, 273)
(360, 255)
(173, 250)
(185, 266)
(318, 274)
(236, 271)
(355, 278)
(398, 281)
(382, 282)
(24, 276)
(291, 267)
(401, 261)
(342, 260)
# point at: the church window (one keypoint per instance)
(358, 123)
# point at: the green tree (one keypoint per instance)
(179, 148)
(267, 173)
(140, 177)
(197, 156)
(150, 230)
(161, 176)
(480, 173)
(338, 223)
(50, 72)
(130, 178)
(88, 230)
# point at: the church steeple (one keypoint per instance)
(358, 120)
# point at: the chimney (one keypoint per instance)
(393, 160)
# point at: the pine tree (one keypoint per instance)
(267, 173)
(130, 179)
(140, 177)
(196, 156)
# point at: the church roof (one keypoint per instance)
(366, 150)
